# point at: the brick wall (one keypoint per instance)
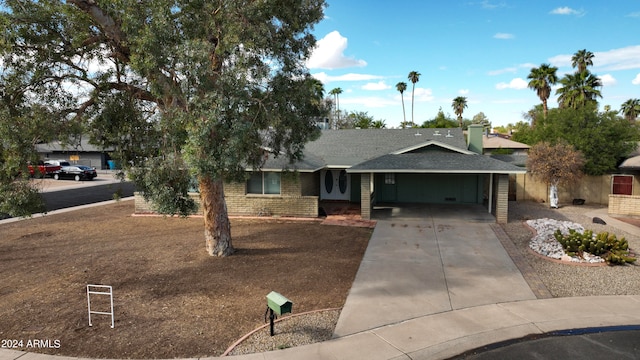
(288, 203)
(366, 194)
(628, 205)
(502, 199)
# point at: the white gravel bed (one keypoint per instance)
(545, 243)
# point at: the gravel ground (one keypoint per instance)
(562, 280)
(565, 280)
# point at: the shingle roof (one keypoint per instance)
(496, 142)
(84, 146)
(436, 162)
(392, 150)
(350, 147)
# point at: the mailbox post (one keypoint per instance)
(277, 304)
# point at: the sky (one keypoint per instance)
(483, 50)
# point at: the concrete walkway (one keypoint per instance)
(435, 287)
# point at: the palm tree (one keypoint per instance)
(414, 77)
(458, 105)
(379, 124)
(317, 90)
(336, 92)
(581, 59)
(631, 109)
(401, 87)
(541, 80)
(578, 90)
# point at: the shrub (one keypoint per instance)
(613, 250)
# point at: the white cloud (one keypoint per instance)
(634, 14)
(512, 69)
(329, 54)
(502, 71)
(463, 91)
(368, 101)
(380, 85)
(489, 5)
(324, 78)
(517, 83)
(422, 95)
(503, 36)
(616, 59)
(567, 11)
(636, 80)
(608, 80)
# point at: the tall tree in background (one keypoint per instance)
(414, 77)
(458, 105)
(336, 97)
(217, 82)
(402, 87)
(579, 90)
(581, 60)
(630, 109)
(540, 80)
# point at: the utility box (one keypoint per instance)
(278, 303)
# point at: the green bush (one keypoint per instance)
(613, 250)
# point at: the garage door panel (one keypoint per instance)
(437, 188)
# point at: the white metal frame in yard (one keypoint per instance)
(93, 289)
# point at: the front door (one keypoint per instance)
(335, 185)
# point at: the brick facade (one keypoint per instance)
(366, 194)
(502, 199)
(290, 201)
(628, 205)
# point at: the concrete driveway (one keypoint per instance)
(429, 259)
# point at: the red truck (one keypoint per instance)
(42, 169)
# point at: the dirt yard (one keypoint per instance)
(171, 299)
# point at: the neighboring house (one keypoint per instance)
(376, 166)
(626, 183)
(80, 154)
(624, 199)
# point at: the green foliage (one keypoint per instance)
(165, 187)
(20, 199)
(502, 151)
(441, 121)
(613, 250)
(171, 85)
(603, 138)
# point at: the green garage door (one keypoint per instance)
(431, 188)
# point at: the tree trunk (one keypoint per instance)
(217, 229)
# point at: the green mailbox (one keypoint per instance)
(278, 303)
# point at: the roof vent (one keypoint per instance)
(436, 133)
(449, 134)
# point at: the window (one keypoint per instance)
(264, 183)
(622, 184)
(390, 179)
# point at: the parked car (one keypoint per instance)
(76, 172)
(42, 169)
(57, 162)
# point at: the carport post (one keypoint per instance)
(490, 192)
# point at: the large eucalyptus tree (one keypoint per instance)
(185, 89)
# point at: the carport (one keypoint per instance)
(437, 176)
